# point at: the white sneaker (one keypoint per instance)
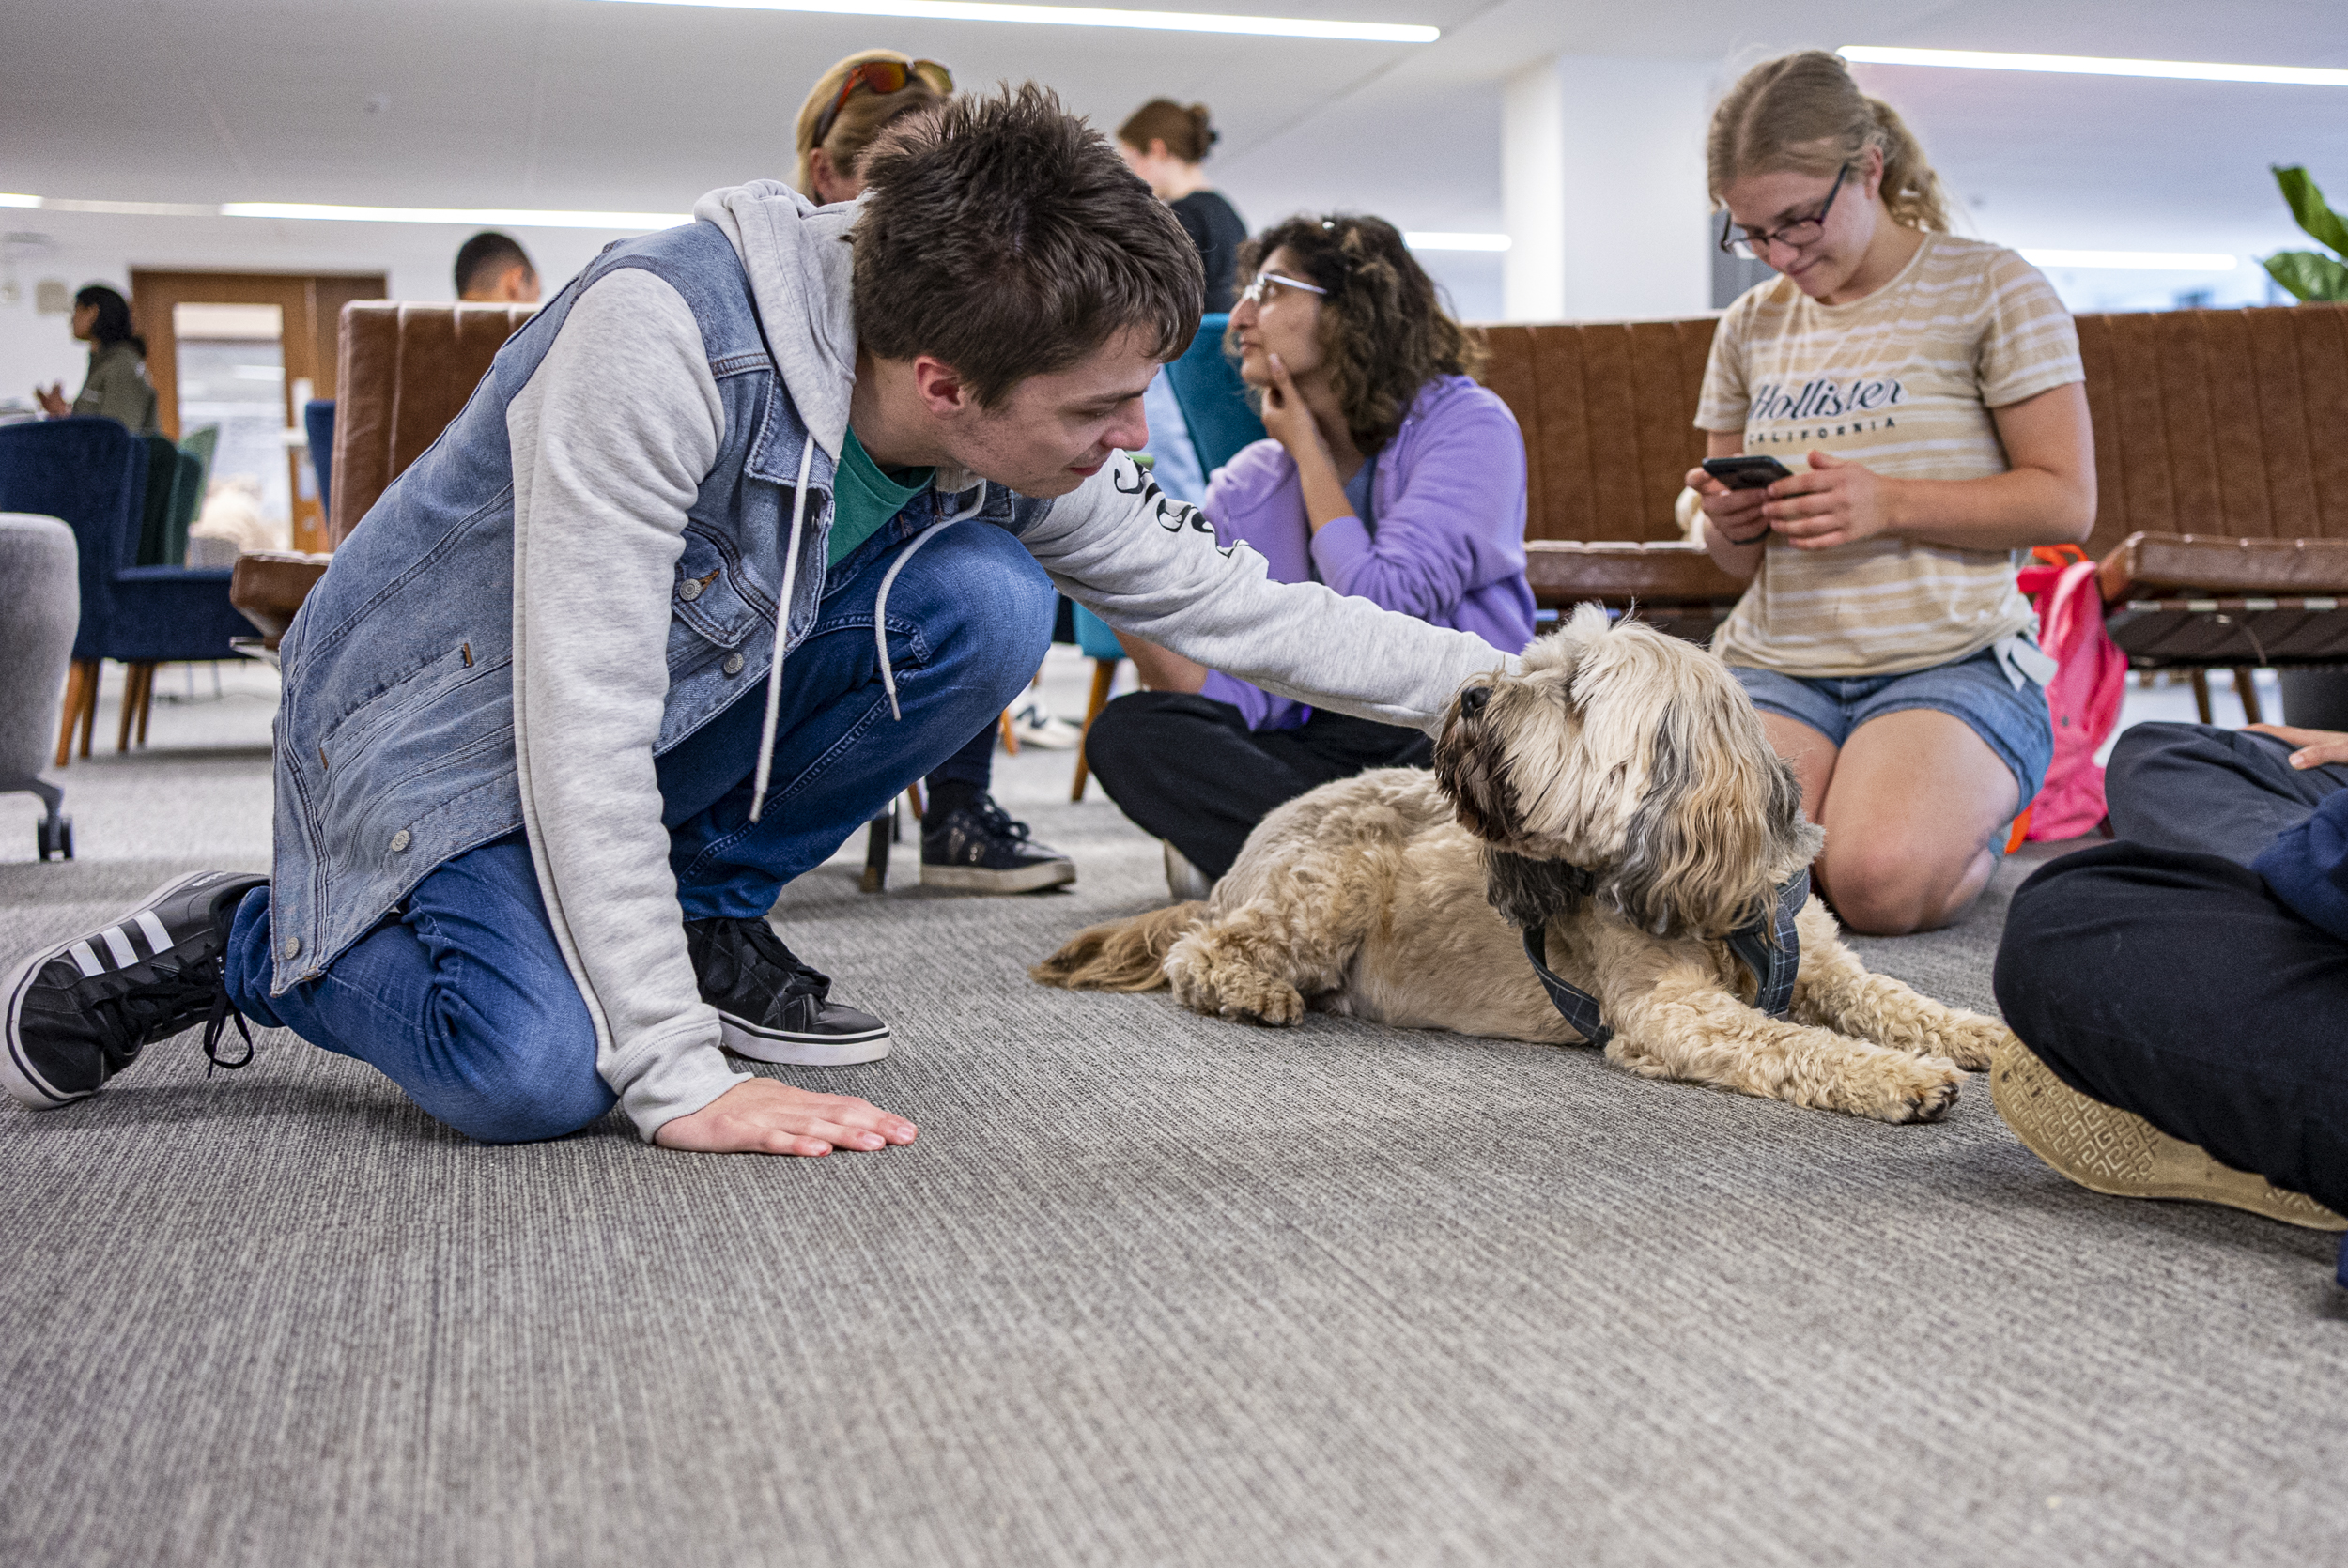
(1035, 725)
(1184, 880)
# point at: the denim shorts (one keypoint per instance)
(1977, 691)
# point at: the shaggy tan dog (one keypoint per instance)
(1400, 895)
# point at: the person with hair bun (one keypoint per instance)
(116, 387)
(1165, 144)
(1928, 393)
(1388, 475)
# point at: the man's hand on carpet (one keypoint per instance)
(2315, 746)
(762, 1116)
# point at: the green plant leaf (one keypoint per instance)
(2308, 275)
(2309, 207)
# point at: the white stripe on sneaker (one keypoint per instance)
(85, 960)
(119, 944)
(158, 939)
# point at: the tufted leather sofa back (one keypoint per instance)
(405, 371)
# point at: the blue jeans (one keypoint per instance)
(461, 996)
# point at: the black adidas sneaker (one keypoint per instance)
(82, 1013)
(773, 1007)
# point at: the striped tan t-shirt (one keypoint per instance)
(1903, 382)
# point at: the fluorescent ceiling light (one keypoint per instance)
(484, 217)
(10, 199)
(2090, 65)
(1089, 16)
(2143, 261)
(1424, 239)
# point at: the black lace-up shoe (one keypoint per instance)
(774, 1008)
(975, 846)
(80, 1013)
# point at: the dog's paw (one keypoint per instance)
(1912, 1089)
(1968, 1040)
(1222, 988)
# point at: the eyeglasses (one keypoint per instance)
(881, 78)
(1752, 243)
(1260, 288)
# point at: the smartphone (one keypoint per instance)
(1747, 471)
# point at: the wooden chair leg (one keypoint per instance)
(138, 686)
(146, 704)
(913, 797)
(1104, 677)
(2201, 694)
(2246, 688)
(876, 836)
(80, 693)
(1011, 735)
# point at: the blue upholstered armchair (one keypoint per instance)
(93, 472)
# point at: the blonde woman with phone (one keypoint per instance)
(1925, 394)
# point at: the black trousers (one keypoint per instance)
(1188, 769)
(2158, 974)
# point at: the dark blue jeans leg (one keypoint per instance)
(967, 621)
(462, 1000)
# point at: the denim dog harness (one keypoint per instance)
(1769, 945)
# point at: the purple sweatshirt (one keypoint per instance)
(1447, 502)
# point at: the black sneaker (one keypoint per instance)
(80, 1013)
(773, 1007)
(977, 848)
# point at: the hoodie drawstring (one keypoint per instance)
(889, 580)
(782, 629)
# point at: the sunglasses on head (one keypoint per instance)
(881, 78)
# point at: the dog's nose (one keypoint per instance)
(1473, 699)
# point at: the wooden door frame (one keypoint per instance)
(312, 306)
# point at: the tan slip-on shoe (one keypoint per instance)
(2106, 1150)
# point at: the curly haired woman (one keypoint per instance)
(1390, 475)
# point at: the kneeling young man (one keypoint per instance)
(544, 763)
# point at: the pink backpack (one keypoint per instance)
(2083, 698)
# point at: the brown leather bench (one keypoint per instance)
(2221, 468)
(405, 371)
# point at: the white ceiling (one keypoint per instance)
(583, 104)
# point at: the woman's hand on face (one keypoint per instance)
(1837, 503)
(51, 400)
(1286, 419)
(1734, 515)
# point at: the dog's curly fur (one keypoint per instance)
(1398, 895)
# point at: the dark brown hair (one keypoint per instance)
(1186, 132)
(863, 117)
(1382, 324)
(1804, 112)
(1005, 237)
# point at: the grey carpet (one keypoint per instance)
(1149, 1289)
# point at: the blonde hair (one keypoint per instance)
(1804, 112)
(861, 118)
(1186, 132)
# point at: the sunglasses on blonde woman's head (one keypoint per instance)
(1264, 287)
(881, 78)
(1753, 244)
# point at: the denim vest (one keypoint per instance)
(395, 736)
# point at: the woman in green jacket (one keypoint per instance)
(116, 385)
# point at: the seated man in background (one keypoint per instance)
(535, 808)
(2194, 974)
(1389, 474)
(492, 269)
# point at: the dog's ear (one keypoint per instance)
(1530, 892)
(1718, 828)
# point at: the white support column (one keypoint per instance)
(1602, 182)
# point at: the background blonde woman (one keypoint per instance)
(968, 843)
(1927, 392)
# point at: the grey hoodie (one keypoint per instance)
(610, 441)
